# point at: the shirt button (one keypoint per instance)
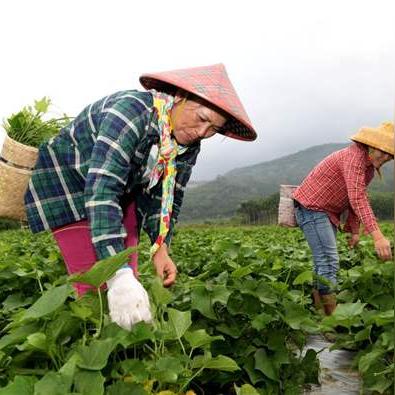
(146, 127)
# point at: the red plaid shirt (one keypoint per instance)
(339, 183)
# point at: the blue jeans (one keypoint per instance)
(320, 234)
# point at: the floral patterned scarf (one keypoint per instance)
(165, 165)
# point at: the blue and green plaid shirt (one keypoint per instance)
(95, 166)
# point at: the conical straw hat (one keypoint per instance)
(212, 84)
(381, 137)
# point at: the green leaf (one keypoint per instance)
(80, 310)
(231, 329)
(95, 356)
(42, 105)
(266, 293)
(220, 293)
(118, 334)
(136, 369)
(22, 385)
(347, 310)
(63, 325)
(89, 382)
(226, 247)
(50, 301)
(384, 318)
(311, 366)
(297, 317)
(67, 371)
(379, 384)
(242, 271)
(159, 293)
(264, 364)
(277, 264)
(178, 323)
(387, 339)
(246, 389)
(37, 341)
(167, 369)
(304, 277)
(221, 362)
(239, 303)
(17, 335)
(249, 366)
(277, 343)
(52, 383)
(140, 332)
(200, 338)
(364, 334)
(122, 388)
(370, 358)
(262, 320)
(14, 301)
(104, 269)
(202, 302)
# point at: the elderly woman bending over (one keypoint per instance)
(122, 165)
(335, 185)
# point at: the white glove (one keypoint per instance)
(127, 299)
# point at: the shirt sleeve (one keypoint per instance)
(109, 170)
(355, 178)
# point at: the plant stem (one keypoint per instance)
(150, 348)
(39, 283)
(191, 378)
(97, 334)
(182, 346)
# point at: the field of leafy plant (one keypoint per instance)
(236, 321)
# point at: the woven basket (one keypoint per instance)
(286, 210)
(16, 163)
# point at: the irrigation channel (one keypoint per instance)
(336, 375)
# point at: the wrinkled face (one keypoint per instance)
(193, 121)
(378, 158)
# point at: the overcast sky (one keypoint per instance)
(307, 72)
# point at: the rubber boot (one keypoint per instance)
(329, 302)
(316, 299)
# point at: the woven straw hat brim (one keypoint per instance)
(211, 84)
(381, 138)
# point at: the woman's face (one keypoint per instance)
(378, 158)
(193, 121)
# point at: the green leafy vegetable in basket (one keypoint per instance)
(28, 126)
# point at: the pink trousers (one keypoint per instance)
(74, 241)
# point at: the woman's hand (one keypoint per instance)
(354, 240)
(165, 267)
(383, 249)
(381, 245)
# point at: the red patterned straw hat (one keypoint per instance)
(212, 84)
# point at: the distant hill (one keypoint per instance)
(220, 198)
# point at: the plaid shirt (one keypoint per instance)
(95, 166)
(338, 183)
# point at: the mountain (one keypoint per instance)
(220, 198)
